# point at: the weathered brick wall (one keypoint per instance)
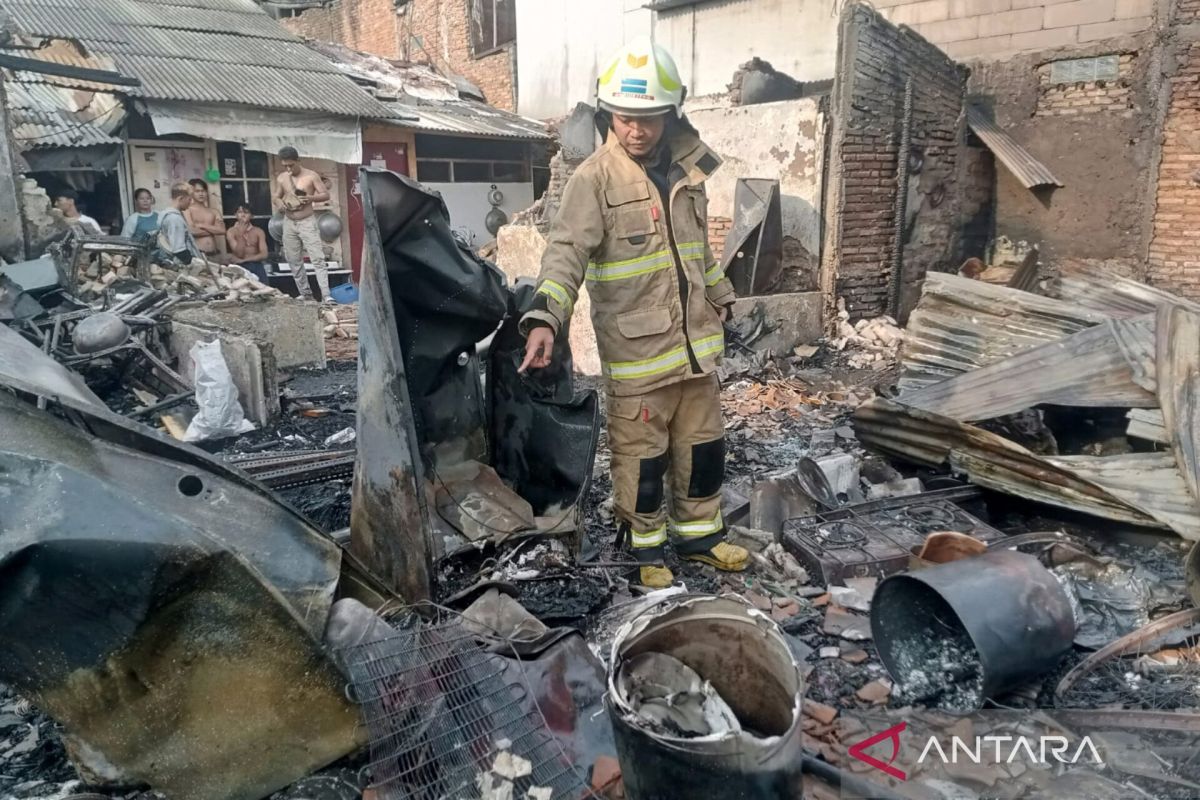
(718, 229)
(366, 25)
(991, 29)
(875, 60)
(1087, 97)
(978, 202)
(1187, 10)
(442, 28)
(1174, 261)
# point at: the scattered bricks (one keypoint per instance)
(820, 712)
(876, 692)
(855, 656)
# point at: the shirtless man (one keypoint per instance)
(247, 243)
(206, 225)
(296, 189)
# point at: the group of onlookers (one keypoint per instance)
(189, 228)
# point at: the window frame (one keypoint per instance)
(229, 216)
(496, 47)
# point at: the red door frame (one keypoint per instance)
(389, 155)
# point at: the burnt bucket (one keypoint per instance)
(740, 655)
(953, 635)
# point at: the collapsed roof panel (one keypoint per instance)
(1145, 358)
(1101, 367)
(962, 324)
(1032, 174)
(1114, 296)
(1178, 369)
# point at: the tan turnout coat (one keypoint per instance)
(611, 231)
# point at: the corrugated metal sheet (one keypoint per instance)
(1101, 367)
(1019, 161)
(991, 461)
(212, 51)
(222, 48)
(256, 24)
(961, 324)
(1114, 296)
(1147, 361)
(73, 19)
(247, 84)
(1178, 371)
(41, 118)
(470, 118)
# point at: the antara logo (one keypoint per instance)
(992, 749)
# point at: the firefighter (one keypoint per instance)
(633, 224)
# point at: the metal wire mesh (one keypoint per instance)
(438, 705)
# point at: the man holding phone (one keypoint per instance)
(296, 190)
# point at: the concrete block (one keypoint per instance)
(978, 8)
(292, 327)
(519, 251)
(920, 13)
(951, 30)
(1019, 21)
(1045, 40)
(252, 365)
(577, 136)
(1132, 9)
(796, 318)
(1080, 12)
(1109, 30)
(983, 48)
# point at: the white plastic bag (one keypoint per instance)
(220, 412)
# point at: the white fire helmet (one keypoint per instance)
(641, 80)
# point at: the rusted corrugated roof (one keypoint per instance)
(471, 118)
(962, 324)
(1019, 161)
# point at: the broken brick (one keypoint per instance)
(820, 712)
(857, 656)
(875, 692)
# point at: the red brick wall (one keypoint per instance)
(1174, 262)
(718, 229)
(1187, 10)
(435, 32)
(1067, 99)
(366, 25)
(443, 27)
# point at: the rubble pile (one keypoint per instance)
(871, 343)
(199, 279)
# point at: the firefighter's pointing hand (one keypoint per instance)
(539, 347)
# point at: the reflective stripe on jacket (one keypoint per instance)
(611, 232)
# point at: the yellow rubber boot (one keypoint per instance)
(725, 556)
(657, 577)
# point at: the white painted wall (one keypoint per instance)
(468, 204)
(561, 44)
(784, 141)
(565, 42)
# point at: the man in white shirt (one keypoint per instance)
(64, 201)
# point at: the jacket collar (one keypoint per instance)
(688, 152)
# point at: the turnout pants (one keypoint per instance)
(673, 436)
(300, 237)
